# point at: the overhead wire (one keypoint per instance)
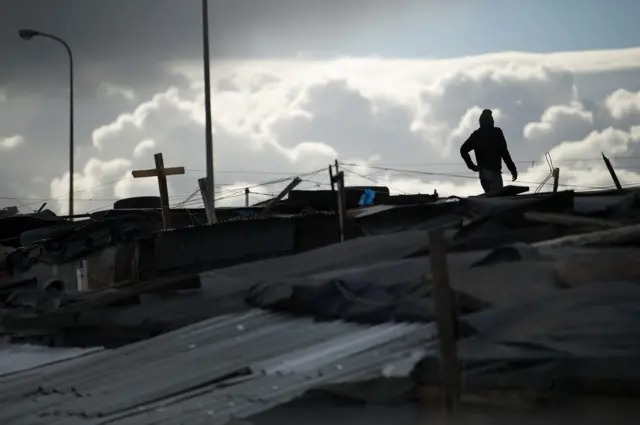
(529, 162)
(235, 190)
(450, 175)
(238, 191)
(368, 178)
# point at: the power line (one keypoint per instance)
(532, 161)
(240, 190)
(370, 179)
(449, 175)
(275, 173)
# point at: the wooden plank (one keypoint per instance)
(445, 320)
(606, 265)
(292, 185)
(164, 191)
(571, 220)
(610, 237)
(171, 171)
(612, 172)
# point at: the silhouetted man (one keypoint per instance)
(490, 146)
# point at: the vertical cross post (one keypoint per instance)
(164, 191)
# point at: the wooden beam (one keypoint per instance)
(614, 176)
(571, 220)
(445, 319)
(161, 173)
(610, 237)
(606, 265)
(295, 182)
(164, 191)
(171, 171)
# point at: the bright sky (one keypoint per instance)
(277, 117)
(504, 25)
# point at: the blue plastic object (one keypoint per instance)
(367, 198)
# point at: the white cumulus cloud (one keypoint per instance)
(623, 103)
(401, 121)
(143, 148)
(10, 143)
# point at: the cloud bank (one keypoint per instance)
(395, 122)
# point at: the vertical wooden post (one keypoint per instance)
(445, 319)
(246, 197)
(164, 191)
(556, 179)
(340, 202)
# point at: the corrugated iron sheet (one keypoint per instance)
(256, 217)
(17, 358)
(182, 376)
(246, 399)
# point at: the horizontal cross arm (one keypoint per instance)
(170, 171)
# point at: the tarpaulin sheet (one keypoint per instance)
(356, 300)
(600, 319)
(352, 253)
(583, 340)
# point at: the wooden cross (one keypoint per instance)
(161, 173)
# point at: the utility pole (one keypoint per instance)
(207, 106)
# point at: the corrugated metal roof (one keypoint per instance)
(17, 358)
(375, 209)
(188, 372)
(252, 218)
(217, 406)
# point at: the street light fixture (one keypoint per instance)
(28, 34)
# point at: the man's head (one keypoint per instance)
(486, 118)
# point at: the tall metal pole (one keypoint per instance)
(71, 131)
(28, 34)
(207, 102)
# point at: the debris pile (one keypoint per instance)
(330, 291)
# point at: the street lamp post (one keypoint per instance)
(207, 105)
(28, 34)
